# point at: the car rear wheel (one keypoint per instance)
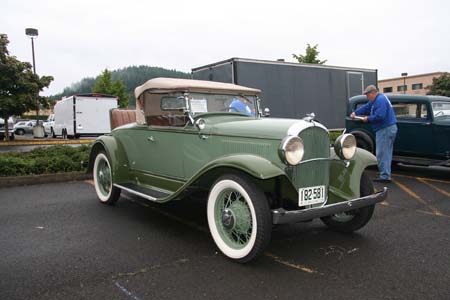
(239, 218)
(354, 219)
(107, 193)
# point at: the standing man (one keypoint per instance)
(380, 114)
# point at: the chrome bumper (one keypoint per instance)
(282, 216)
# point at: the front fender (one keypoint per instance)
(345, 176)
(116, 155)
(253, 165)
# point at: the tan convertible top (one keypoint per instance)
(161, 85)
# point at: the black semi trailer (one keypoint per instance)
(291, 90)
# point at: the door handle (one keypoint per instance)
(203, 137)
(151, 139)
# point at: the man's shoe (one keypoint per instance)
(382, 180)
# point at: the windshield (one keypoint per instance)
(441, 109)
(208, 103)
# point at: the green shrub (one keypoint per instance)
(44, 160)
(334, 135)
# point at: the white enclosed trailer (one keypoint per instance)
(83, 115)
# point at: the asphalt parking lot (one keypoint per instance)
(58, 242)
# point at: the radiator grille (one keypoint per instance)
(317, 143)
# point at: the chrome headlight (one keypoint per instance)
(345, 146)
(291, 150)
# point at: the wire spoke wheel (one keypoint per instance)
(239, 217)
(233, 218)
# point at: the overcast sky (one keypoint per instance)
(81, 38)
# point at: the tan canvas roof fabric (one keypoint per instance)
(161, 84)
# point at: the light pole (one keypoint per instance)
(38, 130)
(404, 75)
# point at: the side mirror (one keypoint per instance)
(266, 112)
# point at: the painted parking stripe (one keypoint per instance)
(429, 213)
(444, 192)
(422, 178)
(291, 265)
(410, 192)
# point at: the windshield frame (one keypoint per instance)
(252, 99)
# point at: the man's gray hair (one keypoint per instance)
(370, 88)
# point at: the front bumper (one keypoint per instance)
(282, 216)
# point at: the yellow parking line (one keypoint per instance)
(435, 211)
(434, 187)
(291, 265)
(427, 179)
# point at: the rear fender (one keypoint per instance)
(116, 155)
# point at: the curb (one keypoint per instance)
(43, 178)
(43, 142)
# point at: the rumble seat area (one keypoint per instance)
(121, 117)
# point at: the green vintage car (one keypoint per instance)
(201, 136)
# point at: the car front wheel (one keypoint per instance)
(107, 193)
(20, 132)
(354, 219)
(239, 218)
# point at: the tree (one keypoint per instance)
(19, 86)
(440, 86)
(311, 56)
(106, 85)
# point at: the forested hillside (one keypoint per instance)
(131, 77)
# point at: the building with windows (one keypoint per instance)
(415, 84)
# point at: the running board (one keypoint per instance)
(149, 194)
(419, 161)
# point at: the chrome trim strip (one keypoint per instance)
(299, 126)
(136, 193)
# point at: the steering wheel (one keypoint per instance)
(439, 113)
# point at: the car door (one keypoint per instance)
(415, 131)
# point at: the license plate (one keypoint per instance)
(311, 195)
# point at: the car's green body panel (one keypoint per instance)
(115, 152)
(345, 180)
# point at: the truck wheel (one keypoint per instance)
(364, 141)
(107, 193)
(354, 219)
(239, 218)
